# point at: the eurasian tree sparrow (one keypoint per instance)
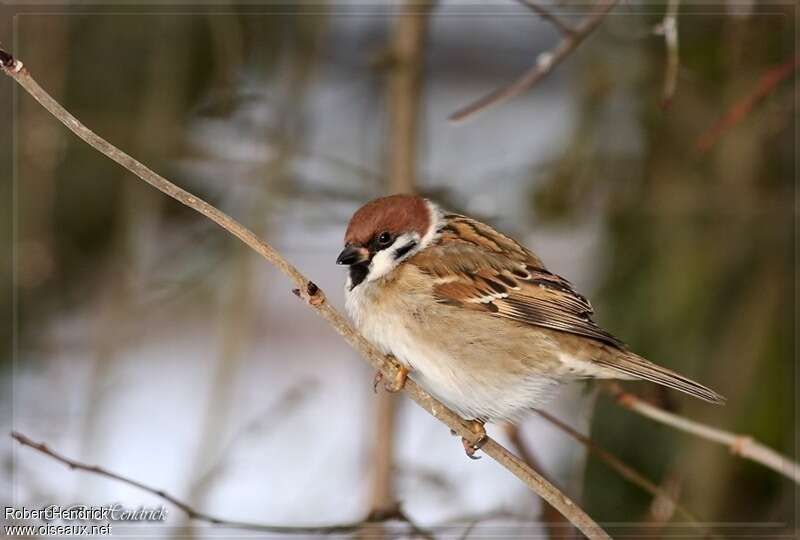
(474, 317)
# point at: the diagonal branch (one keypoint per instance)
(740, 445)
(556, 524)
(545, 14)
(312, 294)
(396, 513)
(619, 466)
(545, 63)
(766, 85)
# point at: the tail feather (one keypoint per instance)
(639, 368)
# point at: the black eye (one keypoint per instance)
(384, 239)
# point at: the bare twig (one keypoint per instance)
(313, 295)
(394, 514)
(403, 104)
(382, 492)
(663, 508)
(740, 445)
(669, 29)
(739, 111)
(473, 520)
(619, 466)
(551, 517)
(545, 63)
(545, 14)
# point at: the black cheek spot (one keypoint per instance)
(358, 273)
(491, 307)
(403, 250)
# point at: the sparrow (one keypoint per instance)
(474, 317)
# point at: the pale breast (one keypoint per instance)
(480, 366)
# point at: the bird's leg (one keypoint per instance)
(398, 384)
(470, 448)
(400, 379)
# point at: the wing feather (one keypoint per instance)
(475, 267)
(488, 271)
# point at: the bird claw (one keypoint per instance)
(397, 385)
(470, 448)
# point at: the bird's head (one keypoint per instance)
(384, 233)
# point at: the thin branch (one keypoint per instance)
(545, 14)
(620, 467)
(407, 47)
(662, 509)
(403, 94)
(552, 519)
(739, 111)
(395, 514)
(740, 445)
(473, 520)
(545, 63)
(313, 296)
(669, 29)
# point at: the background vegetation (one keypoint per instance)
(132, 311)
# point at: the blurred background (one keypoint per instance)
(143, 338)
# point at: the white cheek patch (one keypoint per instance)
(387, 259)
(436, 219)
(382, 263)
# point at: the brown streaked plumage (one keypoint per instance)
(475, 316)
(509, 284)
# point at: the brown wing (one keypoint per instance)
(488, 271)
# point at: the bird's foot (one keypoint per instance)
(470, 448)
(398, 384)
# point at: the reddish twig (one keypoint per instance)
(545, 63)
(313, 296)
(739, 111)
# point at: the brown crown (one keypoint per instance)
(395, 214)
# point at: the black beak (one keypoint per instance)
(352, 255)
